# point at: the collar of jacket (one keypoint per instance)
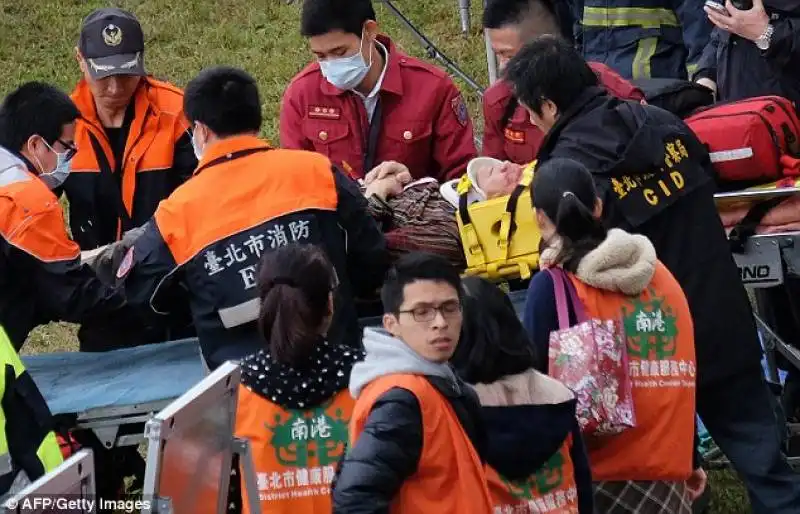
(392, 81)
(576, 109)
(229, 146)
(82, 96)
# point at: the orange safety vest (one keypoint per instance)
(295, 452)
(661, 356)
(158, 124)
(551, 490)
(449, 475)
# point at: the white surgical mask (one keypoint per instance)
(55, 178)
(346, 72)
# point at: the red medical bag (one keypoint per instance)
(755, 139)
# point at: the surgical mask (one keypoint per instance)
(346, 72)
(55, 178)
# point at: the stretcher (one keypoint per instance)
(114, 393)
(768, 254)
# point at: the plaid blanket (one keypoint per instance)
(419, 219)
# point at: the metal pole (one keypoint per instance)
(431, 50)
(463, 7)
(491, 59)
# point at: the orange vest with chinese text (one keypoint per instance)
(295, 451)
(449, 476)
(660, 342)
(551, 490)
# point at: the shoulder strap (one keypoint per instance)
(106, 174)
(565, 295)
(746, 228)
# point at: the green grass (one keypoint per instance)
(38, 38)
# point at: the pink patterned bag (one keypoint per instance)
(591, 359)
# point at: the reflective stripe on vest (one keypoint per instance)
(644, 17)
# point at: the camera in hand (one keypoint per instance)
(742, 5)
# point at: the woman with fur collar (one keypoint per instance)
(616, 276)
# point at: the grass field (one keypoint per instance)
(37, 41)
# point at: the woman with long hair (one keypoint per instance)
(294, 406)
(616, 275)
(534, 447)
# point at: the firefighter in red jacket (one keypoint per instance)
(364, 103)
(508, 134)
(246, 199)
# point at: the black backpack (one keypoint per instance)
(680, 97)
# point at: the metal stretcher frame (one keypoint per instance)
(765, 262)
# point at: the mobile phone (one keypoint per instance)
(716, 6)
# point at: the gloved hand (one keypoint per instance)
(107, 262)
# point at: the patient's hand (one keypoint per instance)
(386, 169)
(499, 180)
(389, 186)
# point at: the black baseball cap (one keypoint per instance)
(112, 43)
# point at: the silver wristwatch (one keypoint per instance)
(764, 39)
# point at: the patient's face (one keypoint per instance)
(499, 180)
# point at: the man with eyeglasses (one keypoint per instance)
(135, 150)
(414, 421)
(41, 275)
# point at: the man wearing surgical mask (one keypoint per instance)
(42, 278)
(368, 106)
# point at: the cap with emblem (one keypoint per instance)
(112, 43)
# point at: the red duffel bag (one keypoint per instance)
(751, 140)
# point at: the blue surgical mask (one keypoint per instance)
(346, 72)
(55, 178)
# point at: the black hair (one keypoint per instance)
(565, 190)
(493, 342)
(35, 108)
(412, 267)
(225, 99)
(295, 282)
(498, 14)
(319, 17)
(549, 68)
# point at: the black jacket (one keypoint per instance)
(741, 70)
(649, 187)
(366, 484)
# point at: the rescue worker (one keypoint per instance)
(42, 278)
(246, 199)
(508, 134)
(753, 52)
(415, 434)
(643, 38)
(654, 178)
(134, 150)
(367, 105)
(297, 383)
(28, 445)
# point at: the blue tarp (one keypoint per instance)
(74, 382)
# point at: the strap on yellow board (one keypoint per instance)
(473, 245)
(503, 236)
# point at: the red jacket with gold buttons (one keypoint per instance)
(424, 120)
(510, 136)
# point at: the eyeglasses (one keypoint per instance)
(425, 313)
(70, 149)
